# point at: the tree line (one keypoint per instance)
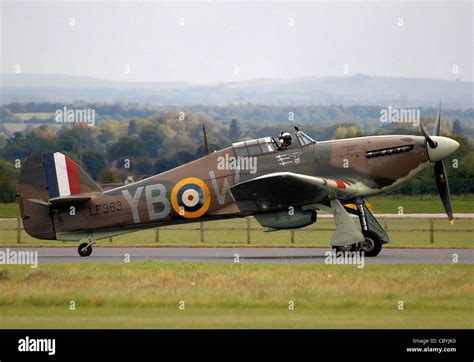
(114, 149)
(366, 115)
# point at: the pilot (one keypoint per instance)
(285, 140)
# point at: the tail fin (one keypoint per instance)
(65, 178)
(46, 180)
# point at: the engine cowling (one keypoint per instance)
(286, 219)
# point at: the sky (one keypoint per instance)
(214, 41)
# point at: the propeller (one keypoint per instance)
(437, 125)
(439, 169)
(432, 143)
(443, 189)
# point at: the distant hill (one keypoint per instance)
(350, 90)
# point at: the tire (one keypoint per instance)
(372, 244)
(84, 250)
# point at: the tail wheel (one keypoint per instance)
(372, 245)
(84, 249)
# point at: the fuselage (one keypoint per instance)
(200, 190)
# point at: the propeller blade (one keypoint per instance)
(431, 142)
(443, 188)
(437, 125)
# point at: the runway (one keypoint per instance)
(244, 255)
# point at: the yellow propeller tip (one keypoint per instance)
(451, 222)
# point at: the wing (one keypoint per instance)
(283, 189)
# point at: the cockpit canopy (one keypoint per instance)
(261, 146)
(304, 139)
(255, 147)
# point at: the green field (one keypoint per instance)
(147, 295)
(314, 235)
(403, 233)
(9, 210)
(39, 115)
(21, 126)
(425, 204)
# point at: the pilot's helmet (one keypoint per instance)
(285, 137)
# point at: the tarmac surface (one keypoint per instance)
(244, 255)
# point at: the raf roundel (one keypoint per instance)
(191, 198)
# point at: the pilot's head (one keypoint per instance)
(285, 139)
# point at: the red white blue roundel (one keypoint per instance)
(190, 197)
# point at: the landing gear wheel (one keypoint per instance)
(84, 249)
(345, 248)
(372, 245)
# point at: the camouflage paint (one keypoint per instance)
(151, 202)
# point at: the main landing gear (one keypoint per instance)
(85, 249)
(372, 244)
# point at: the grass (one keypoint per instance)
(39, 115)
(314, 235)
(420, 204)
(21, 126)
(9, 210)
(147, 295)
